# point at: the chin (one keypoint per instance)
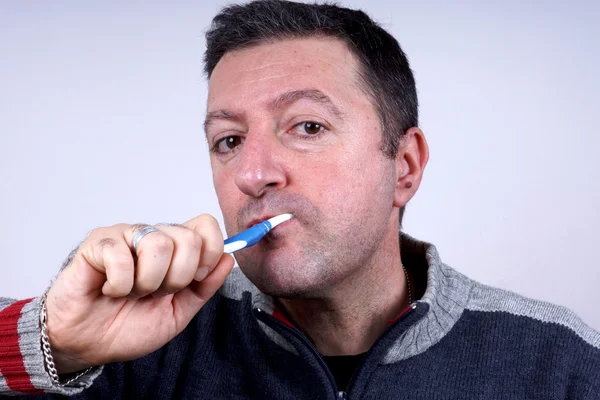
(284, 275)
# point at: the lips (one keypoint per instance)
(255, 221)
(264, 217)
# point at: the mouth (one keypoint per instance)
(265, 217)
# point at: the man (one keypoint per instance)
(312, 110)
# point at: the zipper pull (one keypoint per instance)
(341, 395)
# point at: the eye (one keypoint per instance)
(310, 128)
(227, 144)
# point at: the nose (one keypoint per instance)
(260, 167)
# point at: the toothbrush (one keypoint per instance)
(252, 235)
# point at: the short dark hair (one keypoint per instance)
(385, 73)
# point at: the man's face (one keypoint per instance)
(291, 131)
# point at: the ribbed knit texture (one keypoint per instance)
(12, 363)
(463, 340)
(21, 358)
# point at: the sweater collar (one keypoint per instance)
(444, 296)
(446, 292)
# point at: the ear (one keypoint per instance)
(412, 157)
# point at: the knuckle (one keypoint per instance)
(107, 242)
(192, 239)
(208, 223)
(113, 230)
(97, 233)
(207, 218)
(120, 261)
(162, 243)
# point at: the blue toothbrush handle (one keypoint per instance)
(250, 236)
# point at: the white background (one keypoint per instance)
(102, 105)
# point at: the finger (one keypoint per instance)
(184, 262)
(190, 300)
(107, 253)
(212, 243)
(154, 253)
(120, 267)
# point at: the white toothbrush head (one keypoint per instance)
(279, 219)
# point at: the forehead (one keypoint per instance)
(257, 73)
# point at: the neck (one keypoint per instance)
(354, 314)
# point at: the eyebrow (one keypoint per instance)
(313, 95)
(283, 100)
(220, 114)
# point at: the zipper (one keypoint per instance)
(401, 318)
(338, 394)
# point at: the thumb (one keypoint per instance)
(187, 302)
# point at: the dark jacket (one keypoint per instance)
(460, 340)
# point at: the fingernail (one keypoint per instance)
(201, 273)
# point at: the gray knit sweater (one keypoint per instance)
(460, 340)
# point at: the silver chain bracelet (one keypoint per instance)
(48, 359)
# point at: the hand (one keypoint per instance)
(108, 306)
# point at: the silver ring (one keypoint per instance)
(140, 235)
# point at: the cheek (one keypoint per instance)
(336, 183)
(365, 183)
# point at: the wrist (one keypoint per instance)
(56, 363)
